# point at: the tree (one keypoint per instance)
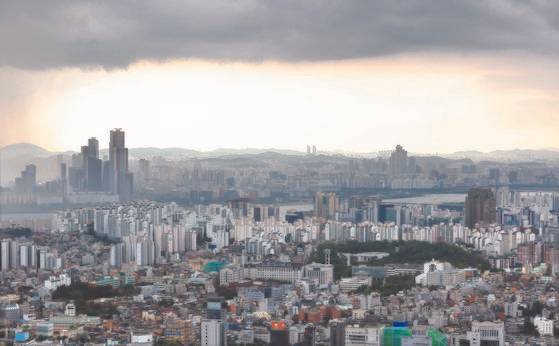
(390, 285)
(535, 309)
(529, 328)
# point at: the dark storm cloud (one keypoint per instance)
(46, 34)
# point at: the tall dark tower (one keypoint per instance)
(398, 161)
(93, 167)
(480, 207)
(121, 181)
(93, 147)
(117, 158)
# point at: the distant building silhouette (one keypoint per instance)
(88, 173)
(398, 163)
(120, 180)
(93, 166)
(27, 181)
(144, 167)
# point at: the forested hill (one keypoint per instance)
(412, 252)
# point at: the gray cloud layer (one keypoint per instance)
(50, 34)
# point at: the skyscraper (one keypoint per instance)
(27, 182)
(118, 158)
(399, 161)
(121, 181)
(144, 166)
(93, 147)
(5, 255)
(86, 171)
(480, 207)
(64, 180)
(94, 174)
(326, 204)
(116, 255)
(107, 174)
(92, 166)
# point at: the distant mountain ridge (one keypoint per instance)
(515, 155)
(181, 153)
(22, 150)
(28, 149)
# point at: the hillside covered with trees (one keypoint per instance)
(411, 252)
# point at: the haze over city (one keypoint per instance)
(294, 172)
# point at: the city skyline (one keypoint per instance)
(295, 172)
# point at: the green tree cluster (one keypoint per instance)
(400, 252)
(85, 291)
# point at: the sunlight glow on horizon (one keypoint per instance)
(426, 104)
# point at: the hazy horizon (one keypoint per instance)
(298, 150)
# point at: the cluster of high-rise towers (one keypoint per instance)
(90, 173)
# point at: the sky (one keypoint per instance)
(361, 76)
